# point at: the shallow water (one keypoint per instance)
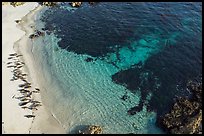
(141, 52)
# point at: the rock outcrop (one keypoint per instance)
(185, 116)
(91, 130)
(75, 4)
(36, 34)
(5, 3)
(15, 4)
(49, 4)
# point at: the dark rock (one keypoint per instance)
(36, 34)
(17, 21)
(32, 36)
(134, 110)
(89, 59)
(43, 29)
(124, 97)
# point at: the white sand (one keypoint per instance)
(13, 120)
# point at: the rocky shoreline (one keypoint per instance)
(49, 4)
(185, 116)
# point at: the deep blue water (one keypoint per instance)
(155, 48)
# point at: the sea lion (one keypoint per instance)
(14, 54)
(10, 57)
(19, 55)
(27, 86)
(24, 91)
(28, 94)
(8, 63)
(20, 89)
(23, 74)
(11, 66)
(24, 99)
(24, 80)
(29, 116)
(17, 63)
(21, 85)
(19, 66)
(37, 89)
(35, 101)
(24, 107)
(32, 108)
(22, 103)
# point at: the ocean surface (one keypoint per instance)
(118, 65)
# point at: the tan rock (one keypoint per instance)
(92, 130)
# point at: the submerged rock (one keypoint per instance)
(89, 59)
(91, 130)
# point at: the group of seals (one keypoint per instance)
(16, 65)
(26, 101)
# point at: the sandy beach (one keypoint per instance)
(14, 41)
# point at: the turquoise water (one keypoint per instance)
(88, 96)
(92, 57)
